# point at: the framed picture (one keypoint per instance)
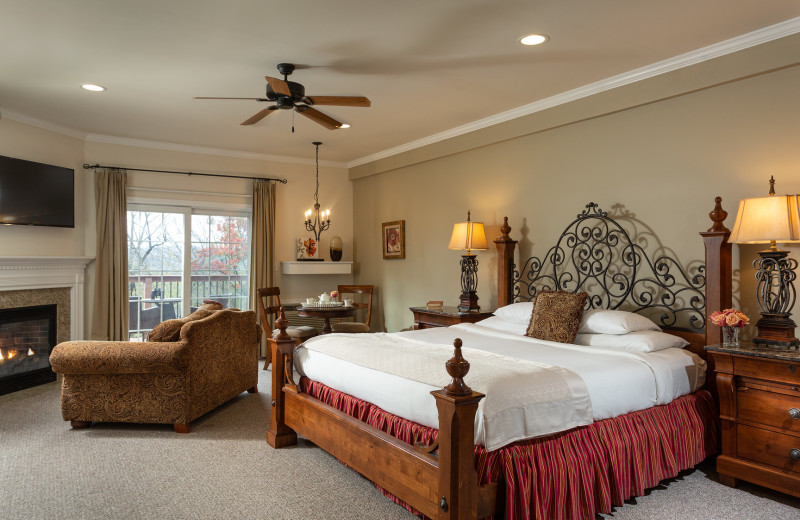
(307, 248)
(394, 239)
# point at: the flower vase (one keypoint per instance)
(730, 336)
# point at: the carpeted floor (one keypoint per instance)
(225, 470)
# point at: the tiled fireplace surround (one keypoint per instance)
(45, 280)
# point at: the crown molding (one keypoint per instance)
(187, 148)
(745, 41)
(46, 125)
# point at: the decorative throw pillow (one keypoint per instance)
(556, 316)
(211, 305)
(170, 330)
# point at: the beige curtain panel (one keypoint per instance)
(110, 318)
(262, 252)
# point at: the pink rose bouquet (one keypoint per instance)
(729, 318)
(334, 295)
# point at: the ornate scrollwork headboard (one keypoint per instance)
(596, 254)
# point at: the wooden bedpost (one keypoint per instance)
(282, 348)
(718, 269)
(505, 265)
(458, 479)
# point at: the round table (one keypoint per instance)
(326, 313)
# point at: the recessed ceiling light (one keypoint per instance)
(93, 88)
(344, 125)
(533, 39)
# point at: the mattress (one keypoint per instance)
(617, 381)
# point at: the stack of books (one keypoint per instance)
(434, 305)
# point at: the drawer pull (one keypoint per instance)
(794, 454)
(794, 413)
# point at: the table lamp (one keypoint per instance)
(468, 236)
(768, 220)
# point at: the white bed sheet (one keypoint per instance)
(619, 382)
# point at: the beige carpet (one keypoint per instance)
(225, 470)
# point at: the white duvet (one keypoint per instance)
(617, 382)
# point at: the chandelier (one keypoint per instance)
(322, 220)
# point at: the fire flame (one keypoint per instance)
(1, 357)
(11, 354)
(30, 351)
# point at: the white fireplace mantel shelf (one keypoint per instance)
(45, 272)
(323, 267)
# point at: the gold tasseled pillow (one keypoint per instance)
(170, 330)
(556, 316)
(210, 305)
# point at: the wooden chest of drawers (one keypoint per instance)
(759, 399)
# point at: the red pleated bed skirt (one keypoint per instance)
(574, 474)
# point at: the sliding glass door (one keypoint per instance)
(158, 267)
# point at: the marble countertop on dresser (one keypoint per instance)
(747, 348)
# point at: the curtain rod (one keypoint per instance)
(88, 166)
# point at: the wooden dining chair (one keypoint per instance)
(355, 326)
(269, 309)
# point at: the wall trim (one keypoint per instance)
(745, 41)
(46, 125)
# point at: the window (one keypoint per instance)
(217, 267)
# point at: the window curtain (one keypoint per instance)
(262, 251)
(110, 317)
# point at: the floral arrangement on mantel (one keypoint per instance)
(729, 318)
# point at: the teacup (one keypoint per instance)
(348, 302)
(311, 301)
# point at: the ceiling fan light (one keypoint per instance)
(92, 87)
(534, 39)
(344, 125)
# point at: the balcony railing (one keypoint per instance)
(155, 298)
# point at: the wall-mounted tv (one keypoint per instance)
(36, 194)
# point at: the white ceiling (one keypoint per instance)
(427, 66)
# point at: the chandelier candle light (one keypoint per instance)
(468, 236)
(767, 220)
(322, 220)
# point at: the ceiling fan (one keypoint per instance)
(289, 95)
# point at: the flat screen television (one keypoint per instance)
(36, 194)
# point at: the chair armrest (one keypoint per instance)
(119, 357)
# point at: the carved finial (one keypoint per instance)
(718, 216)
(457, 367)
(771, 185)
(505, 229)
(282, 323)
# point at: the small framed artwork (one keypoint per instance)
(394, 239)
(307, 248)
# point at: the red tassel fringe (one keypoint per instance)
(574, 474)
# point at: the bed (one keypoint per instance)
(541, 442)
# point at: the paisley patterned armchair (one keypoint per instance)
(212, 360)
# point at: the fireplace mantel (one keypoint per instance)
(45, 272)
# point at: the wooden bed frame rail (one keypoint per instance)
(442, 486)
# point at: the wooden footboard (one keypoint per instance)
(441, 486)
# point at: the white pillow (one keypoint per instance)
(499, 324)
(603, 321)
(641, 341)
(516, 313)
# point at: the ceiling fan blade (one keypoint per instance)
(279, 86)
(318, 117)
(340, 101)
(250, 98)
(259, 116)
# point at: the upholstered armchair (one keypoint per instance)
(207, 361)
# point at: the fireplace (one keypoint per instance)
(27, 336)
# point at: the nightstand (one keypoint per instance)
(446, 316)
(759, 401)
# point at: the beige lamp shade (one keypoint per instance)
(468, 235)
(763, 220)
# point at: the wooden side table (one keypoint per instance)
(759, 401)
(425, 319)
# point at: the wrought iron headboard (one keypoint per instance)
(597, 255)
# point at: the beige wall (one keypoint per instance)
(36, 144)
(662, 147)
